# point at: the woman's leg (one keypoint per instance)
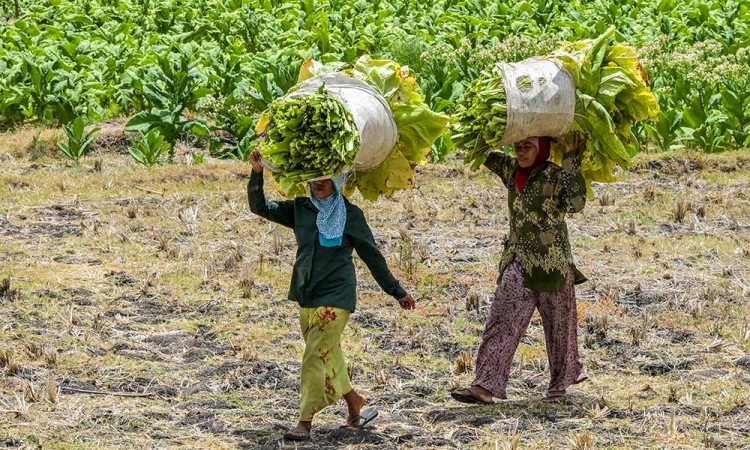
(509, 317)
(560, 322)
(325, 377)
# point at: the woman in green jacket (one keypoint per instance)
(536, 270)
(327, 228)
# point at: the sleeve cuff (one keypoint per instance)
(572, 162)
(256, 181)
(399, 293)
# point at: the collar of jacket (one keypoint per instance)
(534, 173)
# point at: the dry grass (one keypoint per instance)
(159, 283)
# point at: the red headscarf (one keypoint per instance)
(542, 144)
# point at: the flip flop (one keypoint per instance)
(555, 397)
(468, 398)
(364, 418)
(294, 435)
(583, 376)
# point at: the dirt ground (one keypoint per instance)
(143, 308)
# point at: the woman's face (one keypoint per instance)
(322, 189)
(526, 153)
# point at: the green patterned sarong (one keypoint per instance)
(325, 377)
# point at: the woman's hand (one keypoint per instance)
(255, 161)
(407, 302)
(574, 142)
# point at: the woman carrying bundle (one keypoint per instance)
(536, 270)
(327, 228)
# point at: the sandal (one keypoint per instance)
(362, 419)
(555, 397)
(297, 435)
(466, 395)
(583, 376)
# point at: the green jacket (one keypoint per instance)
(538, 235)
(324, 276)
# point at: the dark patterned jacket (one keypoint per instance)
(538, 235)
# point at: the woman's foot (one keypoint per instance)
(354, 403)
(473, 394)
(299, 433)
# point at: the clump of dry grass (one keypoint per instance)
(649, 193)
(473, 301)
(606, 199)
(98, 323)
(277, 245)
(464, 363)
(235, 257)
(249, 354)
(19, 406)
(672, 425)
(6, 291)
(71, 320)
(745, 332)
(247, 281)
(511, 441)
(637, 334)
(709, 294)
(53, 391)
(538, 364)
(597, 324)
(50, 357)
(673, 393)
(33, 350)
(13, 367)
(718, 345)
(597, 412)
(31, 393)
(189, 216)
(165, 245)
(679, 210)
(581, 441)
(411, 253)
(689, 398)
(209, 278)
(6, 356)
(695, 309)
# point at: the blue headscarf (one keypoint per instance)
(331, 214)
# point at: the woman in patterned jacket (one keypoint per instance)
(327, 228)
(536, 270)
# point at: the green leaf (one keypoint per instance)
(613, 81)
(418, 129)
(198, 127)
(381, 74)
(143, 121)
(78, 127)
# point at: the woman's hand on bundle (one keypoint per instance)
(574, 141)
(255, 161)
